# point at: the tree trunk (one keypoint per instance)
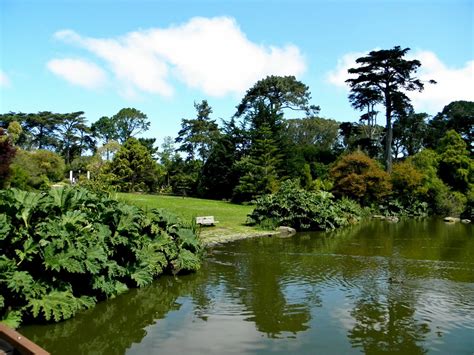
(389, 135)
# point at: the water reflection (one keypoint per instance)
(376, 287)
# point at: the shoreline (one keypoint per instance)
(212, 240)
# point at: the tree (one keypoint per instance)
(134, 168)
(130, 122)
(410, 132)
(361, 136)
(359, 177)
(166, 156)
(198, 135)
(149, 143)
(105, 129)
(72, 131)
(383, 76)
(258, 169)
(364, 98)
(277, 93)
(43, 129)
(407, 180)
(7, 119)
(458, 115)
(312, 142)
(36, 169)
(456, 168)
(264, 107)
(7, 153)
(313, 131)
(219, 175)
(14, 131)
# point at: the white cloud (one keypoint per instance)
(339, 75)
(452, 83)
(210, 54)
(4, 80)
(78, 72)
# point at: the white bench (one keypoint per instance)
(206, 221)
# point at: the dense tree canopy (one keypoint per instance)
(274, 136)
(459, 116)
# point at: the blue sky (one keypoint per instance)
(161, 56)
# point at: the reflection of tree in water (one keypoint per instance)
(261, 288)
(385, 319)
(112, 326)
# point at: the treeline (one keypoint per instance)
(262, 145)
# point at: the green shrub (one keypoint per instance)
(456, 167)
(65, 250)
(440, 197)
(406, 179)
(36, 169)
(450, 203)
(303, 210)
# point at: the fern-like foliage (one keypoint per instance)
(186, 261)
(12, 319)
(142, 276)
(5, 226)
(109, 287)
(65, 249)
(59, 305)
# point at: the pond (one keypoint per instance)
(375, 287)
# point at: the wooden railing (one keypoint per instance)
(11, 341)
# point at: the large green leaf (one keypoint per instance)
(25, 202)
(59, 305)
(5, 226)
(12, 319)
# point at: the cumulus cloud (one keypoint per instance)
(339, 75)
(209, 54)
(4, 80)
(452, 83)
(78, 72)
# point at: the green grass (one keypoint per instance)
(231, 217)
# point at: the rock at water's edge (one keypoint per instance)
(286, 231)
(451, 219)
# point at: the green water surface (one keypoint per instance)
(376, 287)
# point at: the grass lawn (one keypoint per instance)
(231, 216)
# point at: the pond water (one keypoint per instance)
(375, 287)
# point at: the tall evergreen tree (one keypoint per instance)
(259, 169)
(198, 135)
(134, 168)
(385, 75)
